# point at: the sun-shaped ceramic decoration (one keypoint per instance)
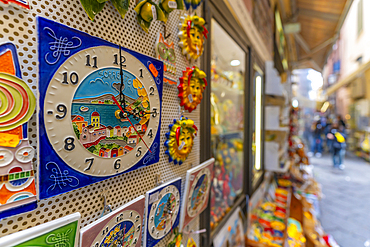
(191, 88)
(192, 34)
(180, 139)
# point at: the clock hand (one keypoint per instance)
(120, 107)
(121, 95)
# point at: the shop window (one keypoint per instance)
(227, 122)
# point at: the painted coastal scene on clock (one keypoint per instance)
(96, 119)
(163, 212)
(200, 192)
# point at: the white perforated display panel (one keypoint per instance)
(18, 26)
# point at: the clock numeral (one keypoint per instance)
(73, 77)
(91, 160)
(123, 60)
(141, 73)
(105, 231)
(151, 91)
(117, 164)
(150, 133)
(69, 143)
(154, 113)
(61, 109)
(138, 153)
(95, 61)
(120, 218)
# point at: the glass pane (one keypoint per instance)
(257, 127)
(227, 121)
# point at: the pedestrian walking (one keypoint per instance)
(338, 138)
(316, 145)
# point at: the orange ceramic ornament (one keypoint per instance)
(192, 85)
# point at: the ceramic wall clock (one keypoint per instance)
(232, 233)
(62, 232)
(162, 211)
(191, 88)
(196, 193)
(122, 227)
(93, 7)
(192, 3)
(18, 3)
(166, 53)
(167, 6)
(17, 181)
(148, 11)
(192, 36)
(180, 139)
(98, 117)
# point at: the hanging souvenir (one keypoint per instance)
(180, 139)
(98, 116)
(148, 11)
(122, 227)
(191, 243)
(17, 180)
(93, 7)
(192, 3)
(175, 239)
(60, 232)
(191, 88)
(167, 6)
(166, 53)
(18, 3)
(196, 193)
(192, 36)
(162, 209)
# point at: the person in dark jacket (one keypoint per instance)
(338, 138)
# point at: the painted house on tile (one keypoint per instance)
(91, 136)
(79, 121)
(117, 131)
(95, 119)
(110, 131)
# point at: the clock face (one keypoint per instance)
(199, 192)
(124, 229)
(83, 123)
(164, 212)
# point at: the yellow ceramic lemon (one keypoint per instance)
(146, 12)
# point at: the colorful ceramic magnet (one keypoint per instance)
(18, 3)
(98, 116)
(122, 227)
(148, 11)
(180, 139)
(192, 36)
(162, 210)
(232, 233)
(191, 243)
(191, 88)
(166, 53)
(60, 232)
(175, 239)
(196, 193)
(17, 105)
(167, 6)
(93, 7)
(192, 3)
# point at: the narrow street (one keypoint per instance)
(345, 207)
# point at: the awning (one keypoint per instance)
(343, 82)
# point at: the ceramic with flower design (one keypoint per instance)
(192, 85)
(180, 139)
(17, 105)
(192, 36)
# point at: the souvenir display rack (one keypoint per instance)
(19, 27)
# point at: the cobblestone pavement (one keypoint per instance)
(345, 208)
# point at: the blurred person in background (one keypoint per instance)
(338, 146)
(316, 145)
